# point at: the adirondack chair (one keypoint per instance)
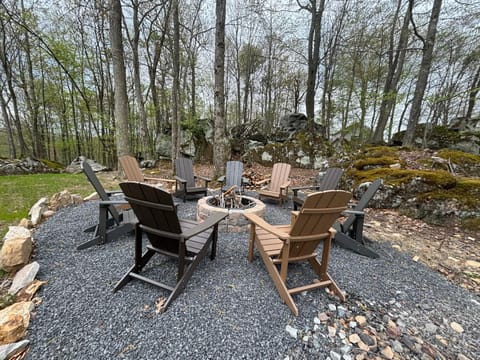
(133, 172)
(350, 232)
(185, 179)
(329, 181)
(233, 177)
(184, 240)
(280, 245)
(278, 183)
(111, 223)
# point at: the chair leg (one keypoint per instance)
(277, 281)
(251, 242)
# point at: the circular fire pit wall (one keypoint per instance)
(235, 222)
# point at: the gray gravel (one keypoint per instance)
(230, 308)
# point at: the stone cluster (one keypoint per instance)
(17, 299)
(358, 330)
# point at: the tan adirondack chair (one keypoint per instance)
(280, 245)
(184, 240)
(133, 172)
(278, 183)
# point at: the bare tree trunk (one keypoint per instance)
(145, 144)
(120, 85)
(395, 67)
(12, 153)
(314, 38)
(176, 84)
(220, 150)
(474, 88)
(423, 74)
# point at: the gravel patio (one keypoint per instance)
(230, 308)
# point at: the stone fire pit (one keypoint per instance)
(235, 222)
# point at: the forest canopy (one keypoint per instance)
(380, 67)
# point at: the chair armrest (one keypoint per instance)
(208, 223)
(157, 179)
(299, 188)
(285, 185)
(113, 192)
(221, 179)
(245, 181)
(179, 179)
(264, 181)
(207, 180)
(113, 202)
(258, 221)
(354, 212)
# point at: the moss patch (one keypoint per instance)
(374, 162)
(459, 157)
(466, 192)
(439, 178)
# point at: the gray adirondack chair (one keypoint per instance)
(112, 207)
(350, 232)
(233, 176)
(184, 240)
(185, 179)
(329, 181)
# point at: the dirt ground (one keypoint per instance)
(452, 251)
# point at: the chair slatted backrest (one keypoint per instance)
(317, 215)
(363, 202)
(280, 175)
(102, 194)
(131, 169)
(234, 172)
(331, 179)
(184, 170)
(92, 178)
(155, 209)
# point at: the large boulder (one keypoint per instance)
(14, 321)
(75, 166)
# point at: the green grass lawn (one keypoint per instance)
(18, 193)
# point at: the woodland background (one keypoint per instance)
(193, 70)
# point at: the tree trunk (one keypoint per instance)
(423, 74)
(176, 84)
(314, 38)
(220, 150)
(395, 67)
(145, 143)
(119, 79)
(474, 88)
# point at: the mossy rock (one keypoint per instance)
(397, 177)
(381, 151)
(53, 165)
(466, 193)
(438, 137)
(463, 162)
(302, 151)
(374, 162)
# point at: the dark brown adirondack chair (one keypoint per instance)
(233, 176)
(185, 184)
(185, 240)
(111, 223)
(280, 245)
(133, 172)
(329, 181)
(278, 183)
(350, 232)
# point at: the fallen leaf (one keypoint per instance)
(160, 305)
